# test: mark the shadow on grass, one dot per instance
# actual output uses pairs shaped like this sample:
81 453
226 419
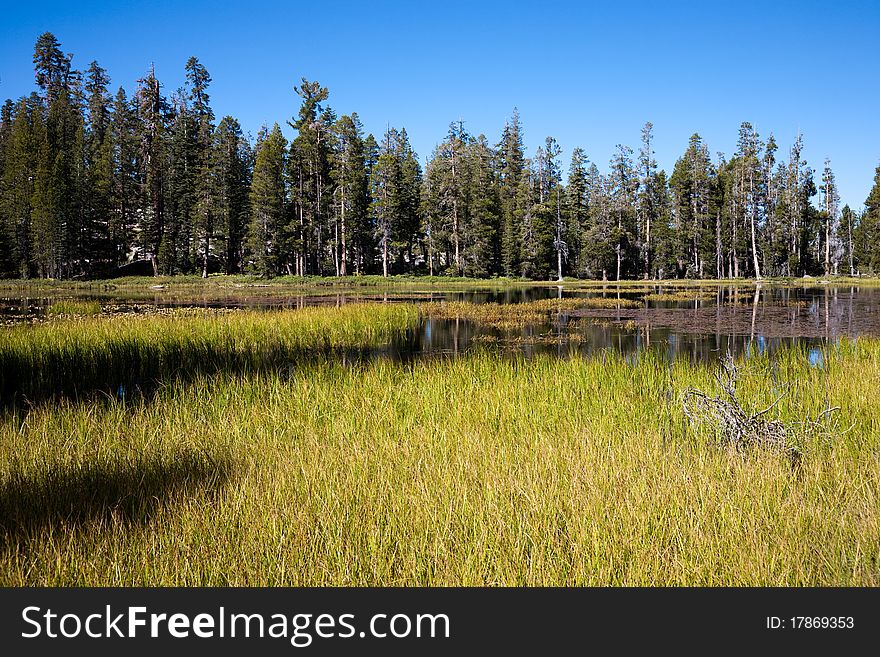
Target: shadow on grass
128 493
126 373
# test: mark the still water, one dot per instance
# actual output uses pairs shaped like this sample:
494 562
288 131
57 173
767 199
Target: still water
696 323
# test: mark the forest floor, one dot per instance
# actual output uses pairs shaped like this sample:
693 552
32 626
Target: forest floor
260 448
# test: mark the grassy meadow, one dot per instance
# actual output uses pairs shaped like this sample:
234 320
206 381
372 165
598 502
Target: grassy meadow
219 284
266 452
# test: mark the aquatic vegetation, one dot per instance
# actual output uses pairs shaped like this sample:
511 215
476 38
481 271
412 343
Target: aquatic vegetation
681 295
503 316
768 321
242 283
74 308
471 471
255 284
115 353
573 303
508 340
513 315
267 452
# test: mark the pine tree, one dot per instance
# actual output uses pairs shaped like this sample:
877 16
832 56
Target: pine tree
664 256
647 196
448 189
6 233
207 184
530 223
482 216
23 153
267 243
598 255
541 253
830 200
797 191
871 226
52 68
552 151
351 195
862 235
126 184
58 245
427 207
624 185
152 122
720 189
774 246
456 141
691 184
849 231
747 189
230 162
184 174
98 201
396 201
310 154
577 210
387 196
367 247
511 165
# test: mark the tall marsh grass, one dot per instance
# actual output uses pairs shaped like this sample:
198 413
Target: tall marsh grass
403 281
513 315
70 357
472 471
74 308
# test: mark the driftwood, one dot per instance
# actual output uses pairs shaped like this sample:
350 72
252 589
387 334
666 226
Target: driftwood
738 427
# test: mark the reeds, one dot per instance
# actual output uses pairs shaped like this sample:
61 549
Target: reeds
117 354
471 471
74 308
513 315
682 296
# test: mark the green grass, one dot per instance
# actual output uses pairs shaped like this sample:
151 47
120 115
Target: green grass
513 315
254 284
681 295
74 308
470 471
37 361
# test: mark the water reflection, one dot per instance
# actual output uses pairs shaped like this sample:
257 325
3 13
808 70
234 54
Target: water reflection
696 323
456 337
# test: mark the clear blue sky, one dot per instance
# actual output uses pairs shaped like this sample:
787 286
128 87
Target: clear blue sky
588 73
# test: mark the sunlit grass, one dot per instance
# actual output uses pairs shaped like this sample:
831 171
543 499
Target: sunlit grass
513 315
74 308
104 353
471 471
681 295
194 283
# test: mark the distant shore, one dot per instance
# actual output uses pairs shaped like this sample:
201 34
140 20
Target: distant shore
403 282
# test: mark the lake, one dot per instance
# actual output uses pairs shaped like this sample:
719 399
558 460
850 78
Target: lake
698 323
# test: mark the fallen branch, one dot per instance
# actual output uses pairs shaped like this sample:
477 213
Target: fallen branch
740 428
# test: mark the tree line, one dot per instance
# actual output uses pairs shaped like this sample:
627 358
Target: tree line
91 182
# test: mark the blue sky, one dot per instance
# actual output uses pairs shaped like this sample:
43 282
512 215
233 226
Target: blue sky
588 73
